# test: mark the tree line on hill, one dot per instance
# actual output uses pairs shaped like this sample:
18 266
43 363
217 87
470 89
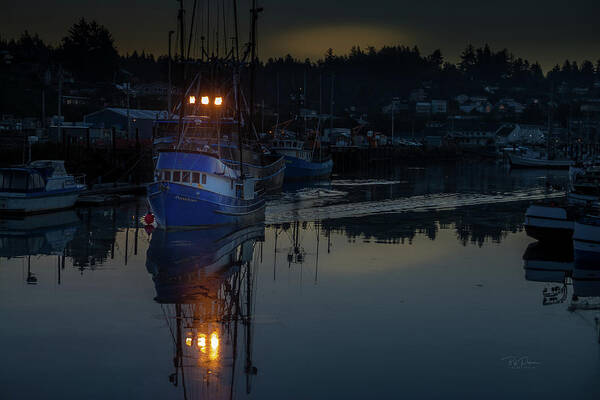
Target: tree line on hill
364 78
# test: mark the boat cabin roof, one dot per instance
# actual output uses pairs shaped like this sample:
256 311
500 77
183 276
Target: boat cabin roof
49 168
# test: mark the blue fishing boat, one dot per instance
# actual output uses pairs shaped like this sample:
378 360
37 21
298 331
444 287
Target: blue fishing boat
195 189
40 186
302 163
199 178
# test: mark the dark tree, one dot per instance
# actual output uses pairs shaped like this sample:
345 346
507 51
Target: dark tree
89 51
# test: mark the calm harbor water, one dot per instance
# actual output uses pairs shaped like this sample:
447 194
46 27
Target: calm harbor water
409 285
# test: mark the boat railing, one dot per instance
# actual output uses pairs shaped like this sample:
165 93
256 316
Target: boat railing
79 179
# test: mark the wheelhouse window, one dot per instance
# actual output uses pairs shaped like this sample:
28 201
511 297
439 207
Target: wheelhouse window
166 175
195 177
185 176
204 179
176 176
36 183
14 181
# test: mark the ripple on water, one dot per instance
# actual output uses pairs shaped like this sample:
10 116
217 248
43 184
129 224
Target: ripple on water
280 212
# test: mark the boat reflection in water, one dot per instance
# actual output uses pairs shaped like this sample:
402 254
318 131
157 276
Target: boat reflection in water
204 283
556 266
36 235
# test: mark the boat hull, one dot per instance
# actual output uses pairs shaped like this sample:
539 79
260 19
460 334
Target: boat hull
40 202
183 207
270 176
298 169
586 242
528 162
548 224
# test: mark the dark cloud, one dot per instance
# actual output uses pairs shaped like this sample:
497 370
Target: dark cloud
546 31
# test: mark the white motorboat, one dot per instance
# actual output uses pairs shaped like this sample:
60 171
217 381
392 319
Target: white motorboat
549 222
41 186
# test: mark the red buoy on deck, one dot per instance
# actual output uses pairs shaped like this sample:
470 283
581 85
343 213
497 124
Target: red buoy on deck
149 218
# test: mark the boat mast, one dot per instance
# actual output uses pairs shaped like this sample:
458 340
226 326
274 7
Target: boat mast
180 19
254 12
236 83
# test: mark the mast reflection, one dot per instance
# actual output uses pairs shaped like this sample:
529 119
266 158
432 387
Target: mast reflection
204 283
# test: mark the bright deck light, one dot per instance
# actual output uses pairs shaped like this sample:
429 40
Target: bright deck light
218 101
205 100
192 99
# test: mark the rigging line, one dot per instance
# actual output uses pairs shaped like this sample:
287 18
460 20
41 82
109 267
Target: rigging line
162 307
224 31
235 23
208 29
192 28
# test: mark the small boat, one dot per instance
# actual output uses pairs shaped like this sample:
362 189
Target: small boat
537 160
302 163
586 240
584 185
40 186
549 222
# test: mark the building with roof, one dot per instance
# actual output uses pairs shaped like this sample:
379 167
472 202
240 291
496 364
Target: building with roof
113 117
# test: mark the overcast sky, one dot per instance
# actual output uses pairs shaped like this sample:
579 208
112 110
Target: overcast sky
546 31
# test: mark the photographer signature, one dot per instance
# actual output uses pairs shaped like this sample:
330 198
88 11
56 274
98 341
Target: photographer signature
515 362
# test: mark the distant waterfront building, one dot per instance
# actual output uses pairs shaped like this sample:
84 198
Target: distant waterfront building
159 89
471 132
418 95
439 106
113 117
423 108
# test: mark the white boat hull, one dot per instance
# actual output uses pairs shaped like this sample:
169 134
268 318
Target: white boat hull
530 162
547 223
22 203
586 242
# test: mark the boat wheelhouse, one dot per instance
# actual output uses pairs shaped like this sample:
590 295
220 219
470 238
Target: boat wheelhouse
219 135
301 162
38 187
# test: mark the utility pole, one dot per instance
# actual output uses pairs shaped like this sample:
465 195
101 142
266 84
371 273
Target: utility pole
394 100
320 93
331 104
128 120
393 112
170 94
59 130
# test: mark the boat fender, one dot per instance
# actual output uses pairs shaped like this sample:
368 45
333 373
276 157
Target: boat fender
149 218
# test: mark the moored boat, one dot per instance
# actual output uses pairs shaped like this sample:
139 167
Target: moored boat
537 161
196 189
584 185
41 186
302 163
586 240
549 222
